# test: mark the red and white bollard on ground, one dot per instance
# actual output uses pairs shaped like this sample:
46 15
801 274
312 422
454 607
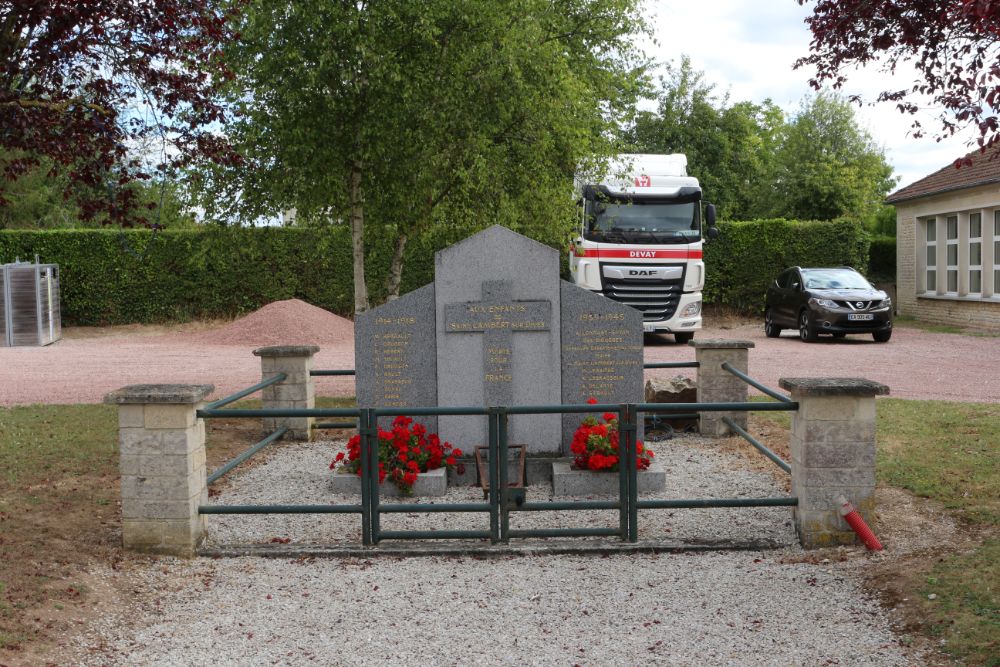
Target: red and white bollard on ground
858 525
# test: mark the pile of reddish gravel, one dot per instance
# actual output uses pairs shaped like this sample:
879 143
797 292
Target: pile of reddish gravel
288 322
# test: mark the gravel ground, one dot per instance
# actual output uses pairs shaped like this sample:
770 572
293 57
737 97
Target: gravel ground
693 608
914 364
300 475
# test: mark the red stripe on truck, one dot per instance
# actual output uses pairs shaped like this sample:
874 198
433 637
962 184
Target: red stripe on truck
640 253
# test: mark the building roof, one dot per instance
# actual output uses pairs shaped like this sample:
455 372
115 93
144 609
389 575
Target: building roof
984 169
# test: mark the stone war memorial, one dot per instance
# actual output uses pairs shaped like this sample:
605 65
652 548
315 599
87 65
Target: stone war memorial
498 327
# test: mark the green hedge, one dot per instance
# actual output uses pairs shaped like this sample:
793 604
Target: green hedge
114 277
747 256
882 259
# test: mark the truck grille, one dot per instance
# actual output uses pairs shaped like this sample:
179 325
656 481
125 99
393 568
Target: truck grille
656 299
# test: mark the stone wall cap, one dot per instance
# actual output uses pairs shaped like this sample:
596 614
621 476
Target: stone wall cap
721 344
834 386
160 393
286 351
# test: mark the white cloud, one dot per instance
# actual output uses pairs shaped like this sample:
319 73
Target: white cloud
749 47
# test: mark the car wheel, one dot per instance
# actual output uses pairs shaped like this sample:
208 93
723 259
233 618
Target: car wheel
882 336
807 332
771 330
685 337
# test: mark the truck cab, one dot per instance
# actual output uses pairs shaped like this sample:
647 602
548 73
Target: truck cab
640 240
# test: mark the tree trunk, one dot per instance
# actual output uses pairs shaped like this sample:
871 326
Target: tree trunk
396 268
357 213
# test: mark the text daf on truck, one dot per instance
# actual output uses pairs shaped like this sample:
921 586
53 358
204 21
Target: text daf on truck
640 241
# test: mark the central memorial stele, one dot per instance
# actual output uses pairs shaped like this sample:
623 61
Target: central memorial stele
497 327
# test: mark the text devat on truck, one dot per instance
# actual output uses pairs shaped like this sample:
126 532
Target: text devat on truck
640 240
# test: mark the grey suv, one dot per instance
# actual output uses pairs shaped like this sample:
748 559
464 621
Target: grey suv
835 301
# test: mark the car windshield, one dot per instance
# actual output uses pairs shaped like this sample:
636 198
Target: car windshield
834 279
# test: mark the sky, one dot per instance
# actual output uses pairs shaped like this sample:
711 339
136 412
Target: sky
748 47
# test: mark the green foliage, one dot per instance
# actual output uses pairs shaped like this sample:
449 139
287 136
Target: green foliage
828 166
425 114
36 200
882 259
747 256
730 147
884 222
115 277
754 163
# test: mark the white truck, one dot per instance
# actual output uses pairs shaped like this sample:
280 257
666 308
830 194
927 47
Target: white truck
640 240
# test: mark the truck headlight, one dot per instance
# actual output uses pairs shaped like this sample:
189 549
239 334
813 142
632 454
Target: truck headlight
691 309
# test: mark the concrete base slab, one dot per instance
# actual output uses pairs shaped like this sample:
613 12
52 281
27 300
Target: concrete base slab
569 482
428 484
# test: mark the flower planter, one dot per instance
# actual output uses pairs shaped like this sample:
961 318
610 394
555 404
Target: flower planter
432 483
569 482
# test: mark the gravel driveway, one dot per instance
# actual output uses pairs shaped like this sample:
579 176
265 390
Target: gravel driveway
743 608
914 364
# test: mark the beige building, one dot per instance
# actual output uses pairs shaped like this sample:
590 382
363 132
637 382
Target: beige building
948 245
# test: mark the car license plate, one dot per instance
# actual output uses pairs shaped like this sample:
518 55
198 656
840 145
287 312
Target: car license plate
854 317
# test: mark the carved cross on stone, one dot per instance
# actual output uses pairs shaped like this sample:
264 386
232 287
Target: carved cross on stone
498 317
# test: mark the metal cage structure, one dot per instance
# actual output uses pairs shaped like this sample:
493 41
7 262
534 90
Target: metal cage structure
29 304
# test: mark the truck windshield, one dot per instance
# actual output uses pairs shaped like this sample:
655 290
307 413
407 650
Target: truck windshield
643 222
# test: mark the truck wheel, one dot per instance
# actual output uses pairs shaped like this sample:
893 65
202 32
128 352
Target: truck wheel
771 330
807 332
685 337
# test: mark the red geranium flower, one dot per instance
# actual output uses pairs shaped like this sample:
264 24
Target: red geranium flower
403 452
595 445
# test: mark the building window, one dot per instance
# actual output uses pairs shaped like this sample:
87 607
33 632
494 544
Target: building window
975 253
996 252
951 253
931 243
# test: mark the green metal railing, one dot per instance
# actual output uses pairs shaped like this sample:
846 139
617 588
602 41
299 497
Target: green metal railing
728 421
253 449
225 469
757 385
232 398
780 462
502 500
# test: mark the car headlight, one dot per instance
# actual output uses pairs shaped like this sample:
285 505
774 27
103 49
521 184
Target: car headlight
825 303
691 309
884 303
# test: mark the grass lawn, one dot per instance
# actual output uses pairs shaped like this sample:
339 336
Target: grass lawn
59 511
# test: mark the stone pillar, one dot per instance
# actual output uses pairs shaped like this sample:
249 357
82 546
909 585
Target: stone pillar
296 391
162 445
717 385
833 454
